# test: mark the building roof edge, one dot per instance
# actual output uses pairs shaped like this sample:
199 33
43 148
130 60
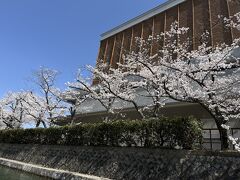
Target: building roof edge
157 10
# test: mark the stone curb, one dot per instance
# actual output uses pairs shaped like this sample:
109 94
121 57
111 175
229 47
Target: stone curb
47 172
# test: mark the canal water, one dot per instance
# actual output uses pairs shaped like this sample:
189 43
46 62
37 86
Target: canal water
12 174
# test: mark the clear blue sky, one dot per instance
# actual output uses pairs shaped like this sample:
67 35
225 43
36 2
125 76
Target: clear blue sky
59 34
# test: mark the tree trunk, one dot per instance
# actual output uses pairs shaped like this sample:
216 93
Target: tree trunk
224 139
219 120
222 131
44 124
156 110
223 135
37 124
138 110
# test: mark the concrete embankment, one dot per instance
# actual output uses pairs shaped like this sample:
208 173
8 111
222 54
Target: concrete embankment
125 163
47 172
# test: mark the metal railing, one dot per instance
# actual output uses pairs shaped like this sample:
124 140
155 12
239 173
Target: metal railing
211 138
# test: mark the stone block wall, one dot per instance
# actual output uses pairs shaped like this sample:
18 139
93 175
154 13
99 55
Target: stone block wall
129 163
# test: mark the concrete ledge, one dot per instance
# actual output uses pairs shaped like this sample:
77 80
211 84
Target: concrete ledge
47 172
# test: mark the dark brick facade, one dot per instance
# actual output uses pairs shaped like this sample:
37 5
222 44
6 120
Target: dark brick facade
198 15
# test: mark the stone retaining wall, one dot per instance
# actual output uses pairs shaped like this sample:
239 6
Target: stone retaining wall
129 163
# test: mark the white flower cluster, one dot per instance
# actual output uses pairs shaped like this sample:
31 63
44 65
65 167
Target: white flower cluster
209 76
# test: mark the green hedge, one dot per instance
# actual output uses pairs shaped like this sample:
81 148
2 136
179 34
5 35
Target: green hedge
162 132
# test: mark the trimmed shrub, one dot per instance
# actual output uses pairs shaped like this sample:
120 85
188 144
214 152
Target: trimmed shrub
156 132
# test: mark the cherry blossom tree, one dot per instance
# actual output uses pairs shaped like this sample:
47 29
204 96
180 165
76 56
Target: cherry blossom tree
25 108
12 114
114 87
35 110
50 100
17 109
208 76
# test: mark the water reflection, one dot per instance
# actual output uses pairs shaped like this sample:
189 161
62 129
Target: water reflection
12 174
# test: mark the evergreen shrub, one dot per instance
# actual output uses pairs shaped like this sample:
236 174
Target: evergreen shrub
155 132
